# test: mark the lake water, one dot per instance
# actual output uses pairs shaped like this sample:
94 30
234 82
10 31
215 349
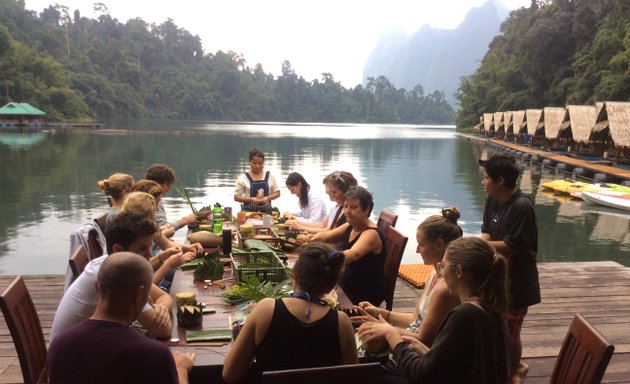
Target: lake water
48 182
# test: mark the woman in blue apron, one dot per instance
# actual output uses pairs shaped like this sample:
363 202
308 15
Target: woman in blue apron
255 188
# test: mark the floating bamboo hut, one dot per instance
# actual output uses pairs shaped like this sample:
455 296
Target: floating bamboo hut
611 133
499 127
514 127
529 125
488 124
549 126
576 128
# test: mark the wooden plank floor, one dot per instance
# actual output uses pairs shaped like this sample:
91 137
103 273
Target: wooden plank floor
599 290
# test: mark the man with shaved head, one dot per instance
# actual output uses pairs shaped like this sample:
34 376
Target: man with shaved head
104 349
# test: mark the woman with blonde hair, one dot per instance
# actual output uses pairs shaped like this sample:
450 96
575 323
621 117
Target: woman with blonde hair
154 189
473 343
434 235
116 187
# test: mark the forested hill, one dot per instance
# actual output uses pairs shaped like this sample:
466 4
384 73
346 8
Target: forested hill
74 67
554 53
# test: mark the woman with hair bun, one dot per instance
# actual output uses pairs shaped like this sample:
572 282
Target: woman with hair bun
473 343
434 234
116 187
300 331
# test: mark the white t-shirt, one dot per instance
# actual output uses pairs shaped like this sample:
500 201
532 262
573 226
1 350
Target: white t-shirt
314 212
79 301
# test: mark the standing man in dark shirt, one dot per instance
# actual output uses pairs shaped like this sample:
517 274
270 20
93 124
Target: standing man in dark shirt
509 225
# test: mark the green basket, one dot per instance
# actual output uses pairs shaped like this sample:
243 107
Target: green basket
266 266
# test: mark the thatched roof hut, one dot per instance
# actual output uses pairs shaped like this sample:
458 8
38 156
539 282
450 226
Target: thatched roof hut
549 125
487 122
578 122
531 120
517 121
507 122
613 124
498 122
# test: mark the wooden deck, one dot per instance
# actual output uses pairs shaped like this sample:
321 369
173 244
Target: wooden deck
599 290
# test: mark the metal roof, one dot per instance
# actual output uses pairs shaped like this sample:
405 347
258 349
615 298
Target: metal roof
20 109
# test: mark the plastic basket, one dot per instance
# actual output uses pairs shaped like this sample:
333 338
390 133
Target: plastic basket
268 268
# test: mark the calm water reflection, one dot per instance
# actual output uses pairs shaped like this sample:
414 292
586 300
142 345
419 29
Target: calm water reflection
48 181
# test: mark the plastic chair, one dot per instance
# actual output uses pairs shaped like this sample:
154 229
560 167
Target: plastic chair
26 331
359 373
584 355
386 219
395 243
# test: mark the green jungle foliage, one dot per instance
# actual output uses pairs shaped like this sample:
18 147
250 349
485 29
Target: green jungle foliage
554 53
76 68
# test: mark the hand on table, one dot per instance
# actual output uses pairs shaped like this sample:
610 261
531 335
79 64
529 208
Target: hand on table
184 361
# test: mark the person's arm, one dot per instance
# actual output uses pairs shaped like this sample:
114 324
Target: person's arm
171 262
346 340
241 194
183 364
369 241
240 357
331 235
399 319
157 319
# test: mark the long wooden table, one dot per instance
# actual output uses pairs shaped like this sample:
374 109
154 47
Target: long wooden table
210 356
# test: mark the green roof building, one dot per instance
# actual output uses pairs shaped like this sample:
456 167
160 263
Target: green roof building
15 115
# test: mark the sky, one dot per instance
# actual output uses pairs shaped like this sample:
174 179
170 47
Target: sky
333 36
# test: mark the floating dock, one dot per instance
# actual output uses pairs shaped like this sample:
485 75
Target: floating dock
564 164
598 290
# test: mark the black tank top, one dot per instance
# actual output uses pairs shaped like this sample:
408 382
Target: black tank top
291 343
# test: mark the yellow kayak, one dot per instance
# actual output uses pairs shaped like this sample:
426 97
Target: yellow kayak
574 188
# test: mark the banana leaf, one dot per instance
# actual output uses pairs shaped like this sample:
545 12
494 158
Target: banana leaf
209 335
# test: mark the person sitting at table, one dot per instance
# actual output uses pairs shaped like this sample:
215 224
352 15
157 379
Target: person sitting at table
144 205
127 233
364 246
336 184
300 331
255 189
103 348
165 177
312 208
116 187
154 189
473 343
434 234
173 254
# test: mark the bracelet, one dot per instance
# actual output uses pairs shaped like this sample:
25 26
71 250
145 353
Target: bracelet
388 313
